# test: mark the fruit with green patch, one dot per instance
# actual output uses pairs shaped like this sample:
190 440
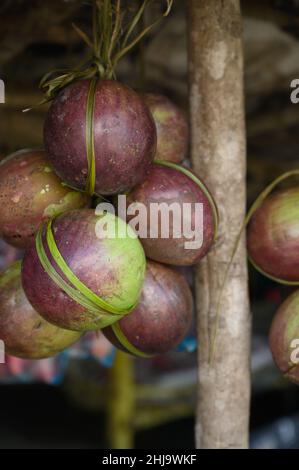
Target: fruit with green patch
284 337
273 236
24 332
31 193
85 271
172 128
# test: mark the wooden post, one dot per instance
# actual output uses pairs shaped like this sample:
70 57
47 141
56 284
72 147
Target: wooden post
121 403
218 156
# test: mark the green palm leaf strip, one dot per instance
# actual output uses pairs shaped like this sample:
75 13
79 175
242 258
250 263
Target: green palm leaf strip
59 281
80 293
89 132
126 343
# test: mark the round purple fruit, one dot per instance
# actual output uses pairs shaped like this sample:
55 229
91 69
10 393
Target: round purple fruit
273 236
85 271
100 136
161 319
177 217
24 332
31 193
172 128
284 337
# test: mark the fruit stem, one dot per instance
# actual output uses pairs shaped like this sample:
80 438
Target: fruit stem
114 35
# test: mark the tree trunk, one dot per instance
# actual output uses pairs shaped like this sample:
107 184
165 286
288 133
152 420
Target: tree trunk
219 157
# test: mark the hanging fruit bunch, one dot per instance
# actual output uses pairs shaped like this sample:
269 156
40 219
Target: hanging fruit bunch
273 243
86 269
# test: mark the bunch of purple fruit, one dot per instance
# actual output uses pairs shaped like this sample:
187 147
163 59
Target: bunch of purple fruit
273 245
101 139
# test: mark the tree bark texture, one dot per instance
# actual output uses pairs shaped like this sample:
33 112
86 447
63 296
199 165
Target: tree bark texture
219 158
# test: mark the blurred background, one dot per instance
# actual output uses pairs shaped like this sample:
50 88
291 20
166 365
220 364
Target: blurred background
90 397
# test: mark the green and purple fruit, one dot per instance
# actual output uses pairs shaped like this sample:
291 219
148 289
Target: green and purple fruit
161 319
104 256
273 236
31 193
172 128
284 337
24 332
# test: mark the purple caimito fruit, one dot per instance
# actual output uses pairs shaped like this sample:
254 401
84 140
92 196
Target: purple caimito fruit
172 128
161 319
284 337
102 123
273 236
85 271
30 194
178 215
24 332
